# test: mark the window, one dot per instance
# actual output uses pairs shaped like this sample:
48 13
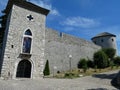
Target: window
60 34
27 40
102 40
112 39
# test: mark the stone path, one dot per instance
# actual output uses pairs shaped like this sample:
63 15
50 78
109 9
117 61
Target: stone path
95 82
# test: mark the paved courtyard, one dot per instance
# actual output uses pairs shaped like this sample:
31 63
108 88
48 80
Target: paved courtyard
95 82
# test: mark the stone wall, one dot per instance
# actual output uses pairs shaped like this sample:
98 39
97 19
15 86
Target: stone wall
59 46
18 23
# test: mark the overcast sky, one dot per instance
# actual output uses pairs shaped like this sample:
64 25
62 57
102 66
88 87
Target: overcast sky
81 18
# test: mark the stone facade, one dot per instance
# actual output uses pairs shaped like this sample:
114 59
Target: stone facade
58 47
12 54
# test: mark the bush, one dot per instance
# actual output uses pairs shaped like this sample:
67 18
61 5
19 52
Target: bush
82 63
117 60
100 59
90 64
111 64
110 52
46 69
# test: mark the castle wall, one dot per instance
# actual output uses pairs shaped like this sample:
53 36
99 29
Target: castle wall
18 23
59 47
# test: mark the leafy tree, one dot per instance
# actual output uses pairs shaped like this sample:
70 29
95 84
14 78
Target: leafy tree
117 60
46 69
90 64
82 63
110 52
100 59
111 64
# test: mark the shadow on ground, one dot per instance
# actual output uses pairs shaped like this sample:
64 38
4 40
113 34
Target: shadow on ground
98 89
112 77
104 76
116 81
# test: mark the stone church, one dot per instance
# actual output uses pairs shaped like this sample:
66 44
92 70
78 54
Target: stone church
27 43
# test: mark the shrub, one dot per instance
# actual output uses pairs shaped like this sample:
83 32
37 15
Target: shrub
111 64
117 60
90 64
110 52
46 69
100 59
85 68
95 67
82 63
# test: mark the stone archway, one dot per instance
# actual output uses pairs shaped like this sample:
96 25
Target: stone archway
24 69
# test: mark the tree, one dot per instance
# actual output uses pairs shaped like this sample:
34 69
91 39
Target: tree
90 64
46 69
110 52
117 60
100 59
82 63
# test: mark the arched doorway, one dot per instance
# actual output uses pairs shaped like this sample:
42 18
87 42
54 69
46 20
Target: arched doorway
24 69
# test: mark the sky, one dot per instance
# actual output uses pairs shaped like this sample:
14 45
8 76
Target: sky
81 18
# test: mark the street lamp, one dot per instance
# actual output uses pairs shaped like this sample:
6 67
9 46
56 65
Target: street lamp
70 57
54 68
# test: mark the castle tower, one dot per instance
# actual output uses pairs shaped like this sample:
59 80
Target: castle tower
105 40
24 40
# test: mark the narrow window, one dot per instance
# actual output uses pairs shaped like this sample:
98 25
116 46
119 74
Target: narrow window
112 39
102 40
12 46
60 34
27 40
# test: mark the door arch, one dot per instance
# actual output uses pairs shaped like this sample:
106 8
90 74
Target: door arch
24 69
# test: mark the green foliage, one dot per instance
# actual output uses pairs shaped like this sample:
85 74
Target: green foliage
117 60
110 52
95 68
111 64
85 68
82 63
70 75
46 69
90 64
100 59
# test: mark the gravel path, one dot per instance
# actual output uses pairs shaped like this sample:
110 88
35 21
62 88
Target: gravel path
95 82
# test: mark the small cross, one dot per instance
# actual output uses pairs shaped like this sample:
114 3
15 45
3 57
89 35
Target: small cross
30 17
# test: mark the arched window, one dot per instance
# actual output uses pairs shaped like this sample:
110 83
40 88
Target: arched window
27 40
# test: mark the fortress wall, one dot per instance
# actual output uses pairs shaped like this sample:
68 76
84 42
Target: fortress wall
58 48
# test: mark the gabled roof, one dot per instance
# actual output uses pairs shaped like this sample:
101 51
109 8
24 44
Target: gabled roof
26 5
104 34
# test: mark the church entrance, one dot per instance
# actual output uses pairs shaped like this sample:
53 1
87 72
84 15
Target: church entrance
24 69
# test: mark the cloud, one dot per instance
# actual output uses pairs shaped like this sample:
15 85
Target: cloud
80 22
46 4
55 12
85 4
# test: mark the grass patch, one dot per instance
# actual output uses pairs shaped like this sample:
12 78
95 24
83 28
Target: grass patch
80 72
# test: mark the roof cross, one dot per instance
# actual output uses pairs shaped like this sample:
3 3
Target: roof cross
30 17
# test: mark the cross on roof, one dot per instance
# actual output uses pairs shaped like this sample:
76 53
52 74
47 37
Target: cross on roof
30 17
